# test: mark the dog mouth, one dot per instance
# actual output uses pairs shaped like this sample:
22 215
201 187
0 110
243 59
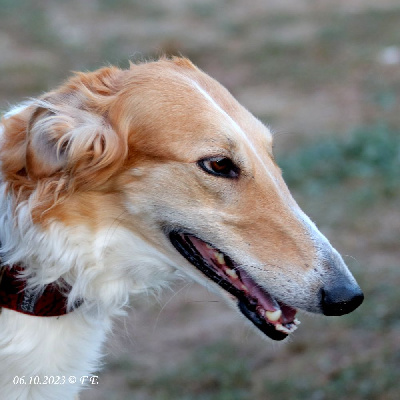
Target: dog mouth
271 316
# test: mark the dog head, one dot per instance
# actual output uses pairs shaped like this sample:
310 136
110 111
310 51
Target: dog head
164 171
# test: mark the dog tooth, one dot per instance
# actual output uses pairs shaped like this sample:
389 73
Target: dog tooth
281 328
296 321
273 315
244 287
220 258
232 273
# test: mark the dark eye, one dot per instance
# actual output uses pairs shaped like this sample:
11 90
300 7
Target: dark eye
219 166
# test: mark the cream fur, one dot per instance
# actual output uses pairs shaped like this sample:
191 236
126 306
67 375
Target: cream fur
100 269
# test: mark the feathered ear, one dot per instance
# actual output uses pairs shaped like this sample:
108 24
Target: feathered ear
45 152
68 134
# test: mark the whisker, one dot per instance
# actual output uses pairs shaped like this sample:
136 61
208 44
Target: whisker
167 302
349 256
110 231
203 301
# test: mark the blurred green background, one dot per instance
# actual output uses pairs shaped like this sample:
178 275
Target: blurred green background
325 76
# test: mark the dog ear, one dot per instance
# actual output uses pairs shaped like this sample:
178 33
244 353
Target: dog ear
71 141
68 134
45 152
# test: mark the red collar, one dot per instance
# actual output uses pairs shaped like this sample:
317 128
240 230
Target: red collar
50 302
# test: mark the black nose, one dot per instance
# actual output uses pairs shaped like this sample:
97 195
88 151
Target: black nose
340 299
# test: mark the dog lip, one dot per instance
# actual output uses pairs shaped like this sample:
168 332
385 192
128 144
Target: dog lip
260 323
187 250
253 302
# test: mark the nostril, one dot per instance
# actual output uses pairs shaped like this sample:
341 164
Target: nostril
340 300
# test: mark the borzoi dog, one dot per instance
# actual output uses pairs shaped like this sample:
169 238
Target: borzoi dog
120 181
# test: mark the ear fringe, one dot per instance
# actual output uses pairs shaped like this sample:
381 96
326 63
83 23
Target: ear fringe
76 142
62 140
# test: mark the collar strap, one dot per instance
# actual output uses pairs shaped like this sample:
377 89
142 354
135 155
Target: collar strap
14 295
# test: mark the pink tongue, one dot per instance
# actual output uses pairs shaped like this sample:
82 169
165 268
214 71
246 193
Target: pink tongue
264 299
288 314
206 253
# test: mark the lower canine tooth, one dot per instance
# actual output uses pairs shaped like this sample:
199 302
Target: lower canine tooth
296 321
273 315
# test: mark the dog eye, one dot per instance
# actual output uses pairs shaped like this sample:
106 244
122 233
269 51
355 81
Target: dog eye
219 166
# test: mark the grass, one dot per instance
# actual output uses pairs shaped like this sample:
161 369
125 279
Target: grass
368 160
212 373
348 181
372 26
373 379
28 22
341 48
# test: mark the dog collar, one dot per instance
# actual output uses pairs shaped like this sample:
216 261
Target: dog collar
14 295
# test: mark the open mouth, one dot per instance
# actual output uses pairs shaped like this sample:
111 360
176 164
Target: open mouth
274 318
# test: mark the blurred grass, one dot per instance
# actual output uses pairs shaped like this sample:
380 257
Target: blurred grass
28 21
212 373
375 378
341 42
348 181
368 160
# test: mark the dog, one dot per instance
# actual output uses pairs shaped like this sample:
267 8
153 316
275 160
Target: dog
121 181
